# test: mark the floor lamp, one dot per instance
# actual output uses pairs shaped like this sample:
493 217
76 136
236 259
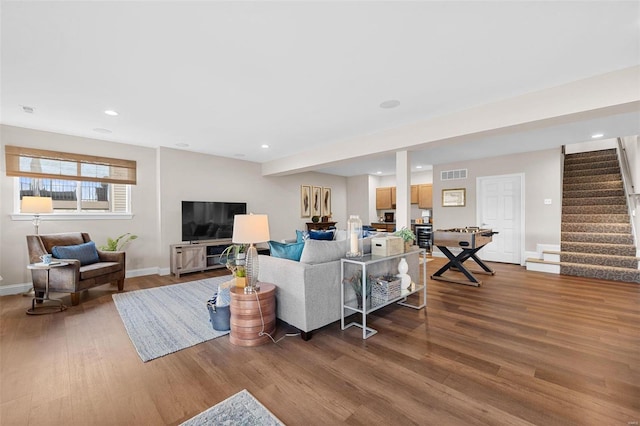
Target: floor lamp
251 229
37 206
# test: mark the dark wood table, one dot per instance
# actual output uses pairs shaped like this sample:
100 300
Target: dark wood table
319 226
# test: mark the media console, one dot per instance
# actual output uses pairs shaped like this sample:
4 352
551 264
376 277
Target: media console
197 257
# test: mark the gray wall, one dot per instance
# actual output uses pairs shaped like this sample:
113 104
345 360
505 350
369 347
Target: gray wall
165 178
542 175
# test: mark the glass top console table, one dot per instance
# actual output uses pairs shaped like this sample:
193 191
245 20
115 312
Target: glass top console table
379 292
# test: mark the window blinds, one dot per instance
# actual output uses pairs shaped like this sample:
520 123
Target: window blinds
38 163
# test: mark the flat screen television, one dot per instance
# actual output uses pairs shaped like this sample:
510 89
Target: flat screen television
209 220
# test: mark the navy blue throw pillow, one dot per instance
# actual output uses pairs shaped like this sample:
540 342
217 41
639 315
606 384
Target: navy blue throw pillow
321 235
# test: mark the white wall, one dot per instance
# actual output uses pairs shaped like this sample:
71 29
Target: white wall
165 178
542 175
358 199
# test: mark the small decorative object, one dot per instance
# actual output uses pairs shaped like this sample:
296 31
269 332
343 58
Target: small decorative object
315 219
354 236
403 268
407 236
241 276
119 243
453 197
356 283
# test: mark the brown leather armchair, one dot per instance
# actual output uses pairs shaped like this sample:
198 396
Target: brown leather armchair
74 278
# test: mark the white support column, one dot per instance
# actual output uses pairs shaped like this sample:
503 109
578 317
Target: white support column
403 190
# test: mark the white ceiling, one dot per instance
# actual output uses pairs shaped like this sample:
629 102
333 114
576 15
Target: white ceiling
226 77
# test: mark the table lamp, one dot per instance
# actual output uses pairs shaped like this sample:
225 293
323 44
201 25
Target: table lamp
36 205
251 229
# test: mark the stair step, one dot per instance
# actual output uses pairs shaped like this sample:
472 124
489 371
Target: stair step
611 177
597 209
595 218
593 193
599 248
600 163
601 272
592 172
598 185
609 201
630 262
611 228
588 154
596 238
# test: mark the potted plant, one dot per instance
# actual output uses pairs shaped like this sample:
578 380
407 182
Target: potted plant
234 259
118 243
407 235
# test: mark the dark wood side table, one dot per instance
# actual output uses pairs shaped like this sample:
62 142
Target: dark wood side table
253 315
319 226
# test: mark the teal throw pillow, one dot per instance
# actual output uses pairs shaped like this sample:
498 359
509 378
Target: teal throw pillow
86 253
301 236
291 251
321 235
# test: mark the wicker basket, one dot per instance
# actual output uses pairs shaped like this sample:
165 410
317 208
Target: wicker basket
383 290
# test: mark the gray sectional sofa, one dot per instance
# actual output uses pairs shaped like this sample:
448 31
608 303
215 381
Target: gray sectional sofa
308 291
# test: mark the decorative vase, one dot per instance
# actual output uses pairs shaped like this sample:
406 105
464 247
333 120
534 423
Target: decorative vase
354 236
403 268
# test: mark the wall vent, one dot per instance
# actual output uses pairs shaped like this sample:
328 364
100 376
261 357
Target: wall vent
453 174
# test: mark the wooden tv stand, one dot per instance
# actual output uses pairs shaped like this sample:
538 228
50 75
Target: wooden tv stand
197 256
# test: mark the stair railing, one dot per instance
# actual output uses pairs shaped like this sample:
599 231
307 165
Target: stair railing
629 188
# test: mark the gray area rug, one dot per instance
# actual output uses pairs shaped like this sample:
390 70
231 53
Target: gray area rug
163 320
239 409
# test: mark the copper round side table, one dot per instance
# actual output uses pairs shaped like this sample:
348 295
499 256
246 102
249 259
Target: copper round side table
253 315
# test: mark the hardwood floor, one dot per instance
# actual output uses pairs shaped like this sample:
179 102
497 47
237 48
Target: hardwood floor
524 348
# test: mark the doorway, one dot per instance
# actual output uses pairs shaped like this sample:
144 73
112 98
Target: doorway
500 207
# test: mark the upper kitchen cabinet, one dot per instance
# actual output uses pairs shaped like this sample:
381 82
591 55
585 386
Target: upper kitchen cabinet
425 196
414 194
385 198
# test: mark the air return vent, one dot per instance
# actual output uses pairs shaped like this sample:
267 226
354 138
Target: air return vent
453 174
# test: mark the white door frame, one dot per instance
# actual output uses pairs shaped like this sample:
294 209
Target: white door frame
521 176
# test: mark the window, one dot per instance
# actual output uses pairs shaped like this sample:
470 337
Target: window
69 196
75 182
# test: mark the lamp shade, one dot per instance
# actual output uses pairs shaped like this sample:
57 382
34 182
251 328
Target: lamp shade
250 228
36 205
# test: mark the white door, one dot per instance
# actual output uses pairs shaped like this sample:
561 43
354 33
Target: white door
500 208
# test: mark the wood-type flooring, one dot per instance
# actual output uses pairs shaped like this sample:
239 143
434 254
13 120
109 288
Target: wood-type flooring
524 348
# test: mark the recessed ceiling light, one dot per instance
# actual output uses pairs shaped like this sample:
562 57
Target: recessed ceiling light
111 112
597 135
182 144
264 145
391 103
101 130
418 167
27 109
378 172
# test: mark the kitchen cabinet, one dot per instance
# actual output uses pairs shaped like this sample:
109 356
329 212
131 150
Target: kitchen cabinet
414 194
385 198
425 196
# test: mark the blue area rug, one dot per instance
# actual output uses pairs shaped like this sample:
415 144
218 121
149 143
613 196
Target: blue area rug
163 320
239 409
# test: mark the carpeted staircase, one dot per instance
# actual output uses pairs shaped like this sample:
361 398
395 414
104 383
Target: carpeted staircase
596 231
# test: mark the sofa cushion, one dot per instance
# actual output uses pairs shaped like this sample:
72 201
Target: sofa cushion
318 251
321 235
291 251
86 253
98 269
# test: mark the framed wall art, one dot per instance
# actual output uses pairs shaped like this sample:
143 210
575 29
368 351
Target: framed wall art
326 202
453 197
305 201
316 201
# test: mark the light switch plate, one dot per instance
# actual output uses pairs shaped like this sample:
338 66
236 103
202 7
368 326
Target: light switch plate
547 200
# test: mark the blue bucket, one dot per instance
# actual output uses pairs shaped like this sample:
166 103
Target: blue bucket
220 316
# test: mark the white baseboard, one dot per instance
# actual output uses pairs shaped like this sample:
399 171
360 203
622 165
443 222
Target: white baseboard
7 290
